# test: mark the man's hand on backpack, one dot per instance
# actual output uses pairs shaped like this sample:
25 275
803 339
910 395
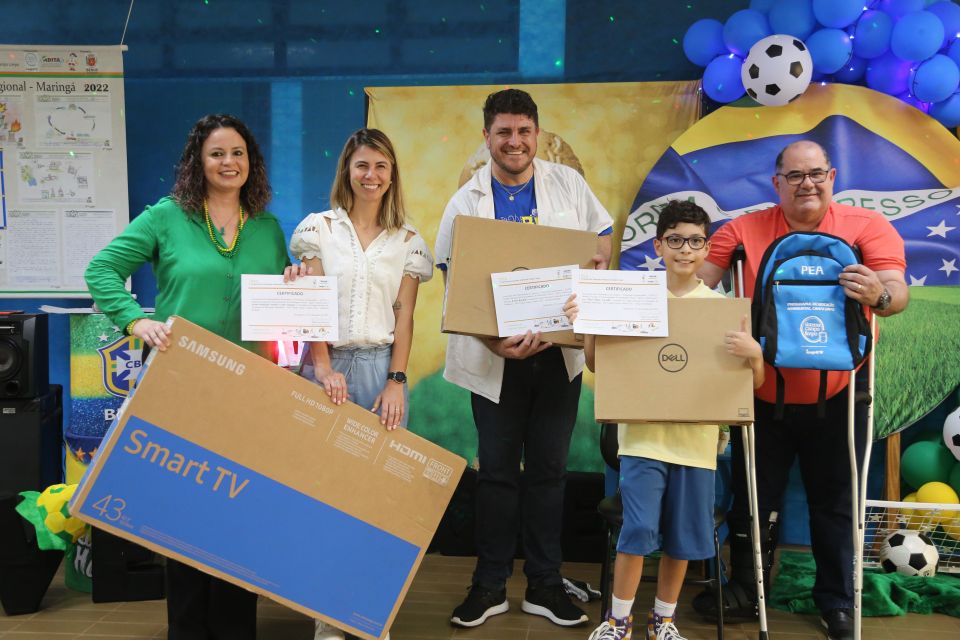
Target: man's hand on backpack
861 284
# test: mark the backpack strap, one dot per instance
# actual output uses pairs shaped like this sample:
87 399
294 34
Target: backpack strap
822 396
778 410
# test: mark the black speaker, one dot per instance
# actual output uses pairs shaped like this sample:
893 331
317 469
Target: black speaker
31 431
23 355
584 538
124 571
25 570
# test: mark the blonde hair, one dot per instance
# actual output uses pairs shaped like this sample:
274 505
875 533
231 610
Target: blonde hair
391 215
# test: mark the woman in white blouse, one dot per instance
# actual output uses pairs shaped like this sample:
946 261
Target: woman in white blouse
379 261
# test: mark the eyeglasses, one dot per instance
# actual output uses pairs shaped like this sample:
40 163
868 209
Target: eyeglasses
795 178
676 242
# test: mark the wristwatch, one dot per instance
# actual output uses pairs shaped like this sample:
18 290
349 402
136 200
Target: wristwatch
883 301
397 376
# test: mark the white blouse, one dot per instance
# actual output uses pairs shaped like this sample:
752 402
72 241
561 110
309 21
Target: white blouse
368 282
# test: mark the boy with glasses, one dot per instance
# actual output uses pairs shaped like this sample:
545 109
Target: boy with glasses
667 470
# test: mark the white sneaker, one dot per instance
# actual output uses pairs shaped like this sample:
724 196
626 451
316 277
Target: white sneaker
324 631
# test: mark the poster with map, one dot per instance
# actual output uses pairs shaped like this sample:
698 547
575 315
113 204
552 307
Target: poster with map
63 173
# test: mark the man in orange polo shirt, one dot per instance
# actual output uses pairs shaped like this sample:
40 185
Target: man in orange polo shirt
804 182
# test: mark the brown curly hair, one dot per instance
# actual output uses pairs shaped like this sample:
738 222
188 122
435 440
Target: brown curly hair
190 188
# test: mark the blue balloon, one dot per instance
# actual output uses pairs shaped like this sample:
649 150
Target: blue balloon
704 41
954 51
947 112
871 38
917 36
852 71
936 79
792 17
949 15
830 49
837 13
743 29
888 74
896 9
721 79
762 6
912 100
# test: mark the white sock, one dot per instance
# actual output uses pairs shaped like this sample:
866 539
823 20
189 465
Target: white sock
621 608
664 609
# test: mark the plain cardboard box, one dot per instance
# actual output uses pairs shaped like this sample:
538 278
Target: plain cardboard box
228 463
686 377
482 246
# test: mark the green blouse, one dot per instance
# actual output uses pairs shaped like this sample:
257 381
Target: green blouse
194 280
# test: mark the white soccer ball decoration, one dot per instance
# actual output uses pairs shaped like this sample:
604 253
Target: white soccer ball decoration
910 553
951 433
777 70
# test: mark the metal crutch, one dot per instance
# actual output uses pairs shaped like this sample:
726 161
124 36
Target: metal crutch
749 458
858 485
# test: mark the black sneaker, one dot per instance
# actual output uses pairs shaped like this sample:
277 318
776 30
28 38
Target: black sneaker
838 623
553 603
739 604
479 605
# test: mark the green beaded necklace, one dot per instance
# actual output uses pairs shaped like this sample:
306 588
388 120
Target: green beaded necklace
226 252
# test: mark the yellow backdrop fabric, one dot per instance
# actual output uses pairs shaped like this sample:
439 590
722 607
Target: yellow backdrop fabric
617 131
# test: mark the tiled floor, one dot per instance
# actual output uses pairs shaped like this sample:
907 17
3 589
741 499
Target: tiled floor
438 587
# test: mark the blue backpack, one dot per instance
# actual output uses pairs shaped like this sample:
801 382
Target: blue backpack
801 316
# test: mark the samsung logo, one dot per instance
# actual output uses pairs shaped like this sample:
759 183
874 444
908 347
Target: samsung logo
211 355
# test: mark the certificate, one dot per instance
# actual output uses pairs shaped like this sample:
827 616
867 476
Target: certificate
304 309
532 300
621 303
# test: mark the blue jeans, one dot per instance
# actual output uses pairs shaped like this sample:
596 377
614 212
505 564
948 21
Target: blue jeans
365 369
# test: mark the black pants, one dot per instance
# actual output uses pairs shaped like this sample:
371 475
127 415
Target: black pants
534 422
202 607
821 446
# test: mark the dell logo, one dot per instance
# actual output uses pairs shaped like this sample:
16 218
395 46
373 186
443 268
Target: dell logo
672 358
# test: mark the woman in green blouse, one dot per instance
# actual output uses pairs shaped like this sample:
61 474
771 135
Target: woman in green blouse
211 229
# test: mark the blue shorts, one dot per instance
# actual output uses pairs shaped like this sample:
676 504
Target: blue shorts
666 506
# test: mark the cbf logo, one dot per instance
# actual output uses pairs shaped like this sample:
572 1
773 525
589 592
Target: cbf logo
813 330
122 360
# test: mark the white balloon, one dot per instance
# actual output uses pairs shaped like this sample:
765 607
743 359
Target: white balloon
951 433
777 70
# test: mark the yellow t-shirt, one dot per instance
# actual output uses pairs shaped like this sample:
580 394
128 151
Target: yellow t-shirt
692 445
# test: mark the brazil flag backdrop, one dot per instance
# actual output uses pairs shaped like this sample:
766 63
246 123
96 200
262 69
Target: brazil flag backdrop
890 158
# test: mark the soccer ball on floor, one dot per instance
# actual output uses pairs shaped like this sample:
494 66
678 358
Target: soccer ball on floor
777 70
910 553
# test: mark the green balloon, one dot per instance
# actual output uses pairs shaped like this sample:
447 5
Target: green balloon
925 462
954 480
